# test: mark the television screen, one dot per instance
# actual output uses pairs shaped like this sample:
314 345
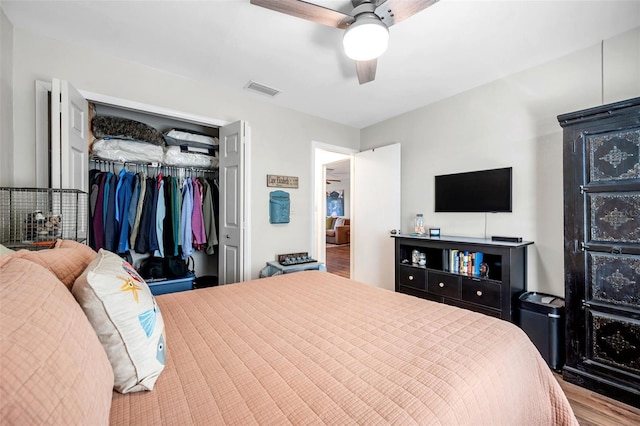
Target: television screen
479 191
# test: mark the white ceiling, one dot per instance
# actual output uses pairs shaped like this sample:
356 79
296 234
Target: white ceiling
448 48
339 170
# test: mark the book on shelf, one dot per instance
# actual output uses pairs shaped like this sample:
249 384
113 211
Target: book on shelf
462 262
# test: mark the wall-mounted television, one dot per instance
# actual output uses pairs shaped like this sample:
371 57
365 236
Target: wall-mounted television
479 191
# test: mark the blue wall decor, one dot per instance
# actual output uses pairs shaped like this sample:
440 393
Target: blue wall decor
279 206
335 203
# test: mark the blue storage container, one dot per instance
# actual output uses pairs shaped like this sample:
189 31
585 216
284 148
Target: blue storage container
171 286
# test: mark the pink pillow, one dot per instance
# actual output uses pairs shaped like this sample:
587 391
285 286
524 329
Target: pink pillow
54 369
66 259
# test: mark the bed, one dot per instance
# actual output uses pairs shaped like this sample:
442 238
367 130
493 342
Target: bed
315 348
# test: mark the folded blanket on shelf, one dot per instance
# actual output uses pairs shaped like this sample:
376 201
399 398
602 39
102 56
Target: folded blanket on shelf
127 151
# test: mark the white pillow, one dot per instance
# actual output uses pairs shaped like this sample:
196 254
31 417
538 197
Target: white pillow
339 222
181 137
126 318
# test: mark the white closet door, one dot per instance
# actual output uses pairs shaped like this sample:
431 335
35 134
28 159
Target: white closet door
376 212
69 130
232 215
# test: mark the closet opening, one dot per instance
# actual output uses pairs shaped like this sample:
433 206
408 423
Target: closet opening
67 146
178 162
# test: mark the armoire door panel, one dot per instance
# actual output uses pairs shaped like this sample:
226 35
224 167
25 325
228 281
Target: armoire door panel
614 155
614 217
614 279
615 341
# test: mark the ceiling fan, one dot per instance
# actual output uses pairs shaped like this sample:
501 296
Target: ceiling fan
366 28
328 181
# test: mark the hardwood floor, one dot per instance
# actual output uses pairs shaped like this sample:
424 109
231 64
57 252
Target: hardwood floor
338 260
593 409
590 408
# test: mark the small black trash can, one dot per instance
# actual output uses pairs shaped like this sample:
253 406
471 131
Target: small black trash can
542 318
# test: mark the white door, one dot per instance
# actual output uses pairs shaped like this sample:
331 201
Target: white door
232 206
376 212
69 141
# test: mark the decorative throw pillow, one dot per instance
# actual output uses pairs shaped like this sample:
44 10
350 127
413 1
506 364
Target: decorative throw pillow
126 319
330 222
339 221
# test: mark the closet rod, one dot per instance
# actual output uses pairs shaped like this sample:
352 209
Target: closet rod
154 165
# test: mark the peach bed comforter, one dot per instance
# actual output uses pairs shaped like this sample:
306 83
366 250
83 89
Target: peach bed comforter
314 348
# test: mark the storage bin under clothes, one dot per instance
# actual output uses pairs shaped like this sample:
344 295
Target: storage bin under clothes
164 286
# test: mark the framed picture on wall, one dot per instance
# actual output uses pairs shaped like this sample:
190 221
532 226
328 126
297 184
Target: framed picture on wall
335 202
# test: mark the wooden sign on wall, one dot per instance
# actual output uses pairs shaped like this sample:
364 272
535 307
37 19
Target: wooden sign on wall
278 181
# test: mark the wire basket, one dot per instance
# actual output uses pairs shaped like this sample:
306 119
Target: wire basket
33 218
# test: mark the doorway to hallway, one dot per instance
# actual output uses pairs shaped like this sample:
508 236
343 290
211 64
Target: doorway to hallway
332 175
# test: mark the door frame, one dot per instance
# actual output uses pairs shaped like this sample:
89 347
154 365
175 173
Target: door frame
318 199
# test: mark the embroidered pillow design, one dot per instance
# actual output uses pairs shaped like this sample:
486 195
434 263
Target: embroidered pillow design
126 318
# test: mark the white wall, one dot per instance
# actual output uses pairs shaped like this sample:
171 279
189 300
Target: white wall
281 138
6 100
510 122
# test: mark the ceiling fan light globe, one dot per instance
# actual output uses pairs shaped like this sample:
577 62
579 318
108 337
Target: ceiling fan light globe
366 39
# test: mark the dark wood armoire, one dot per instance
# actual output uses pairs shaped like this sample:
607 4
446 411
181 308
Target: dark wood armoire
601 152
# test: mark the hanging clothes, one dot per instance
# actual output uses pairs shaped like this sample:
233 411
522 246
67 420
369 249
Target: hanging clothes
209 218
124 192
93 199
110 223
197 221
146 218
185 219
160 213
215 197
151 229
176 205
133 206
142 180
107 187
167 235
97 223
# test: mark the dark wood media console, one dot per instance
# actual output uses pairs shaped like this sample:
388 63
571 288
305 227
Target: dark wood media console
494 294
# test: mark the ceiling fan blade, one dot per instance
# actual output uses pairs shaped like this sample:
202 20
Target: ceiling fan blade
309 11
366 70
393 11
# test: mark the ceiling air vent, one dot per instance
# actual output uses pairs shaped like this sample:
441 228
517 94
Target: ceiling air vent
261 88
